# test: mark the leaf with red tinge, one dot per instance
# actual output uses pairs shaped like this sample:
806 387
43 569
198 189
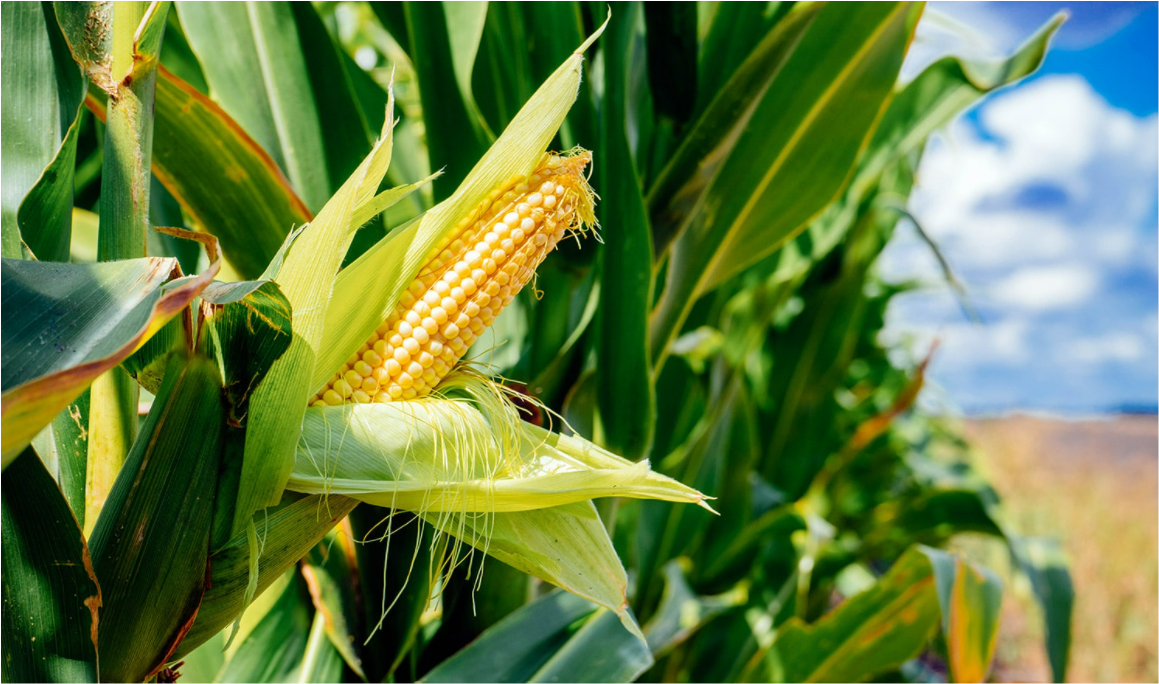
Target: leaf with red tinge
65 324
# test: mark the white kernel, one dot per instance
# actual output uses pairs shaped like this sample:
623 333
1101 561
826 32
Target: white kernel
426 359
423 309
549 201
442 288
458 295
510 219
547 188
535 199
451 332
401 355
491 238
518 235
499 255
393 367
405 329
540 239
489 266
472 257
413 318
450 306
462 268
430 324
478 275
468 286
421 335
411 345
508 245
436 347
523 208
415 369
405 380
451 278
431 298
439 315
396 340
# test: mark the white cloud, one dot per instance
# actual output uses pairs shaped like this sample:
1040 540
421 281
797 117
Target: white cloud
1045 206
1115 346
1041 288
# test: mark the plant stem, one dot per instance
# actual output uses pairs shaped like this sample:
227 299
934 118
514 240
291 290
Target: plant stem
124 220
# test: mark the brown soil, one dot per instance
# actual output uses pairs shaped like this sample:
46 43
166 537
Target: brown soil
1095 486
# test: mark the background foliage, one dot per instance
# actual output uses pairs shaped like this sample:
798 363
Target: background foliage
752 159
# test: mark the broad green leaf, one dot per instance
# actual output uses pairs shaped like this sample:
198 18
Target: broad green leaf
306 279
164 496
558 638
322 661
195 145
627 400
68 440
51 596
713 136
253 61
41 84
111 309
892 621
455 131
367 291
519 645
285 535
793 156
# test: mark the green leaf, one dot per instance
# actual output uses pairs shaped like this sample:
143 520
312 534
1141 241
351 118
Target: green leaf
567 546
455 135
51 596
253 61
273 651
1044 562
794 155
330 574
682 613
65 324
151 543
627 400
41 84
306 280
195 145
286 534
891 622
679 186
559 637
246 327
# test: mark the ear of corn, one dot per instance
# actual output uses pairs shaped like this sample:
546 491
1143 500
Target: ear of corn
469 277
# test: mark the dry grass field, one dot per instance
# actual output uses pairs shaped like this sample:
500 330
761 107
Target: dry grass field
1095 486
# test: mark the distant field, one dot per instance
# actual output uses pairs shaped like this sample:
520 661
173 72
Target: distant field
1095 486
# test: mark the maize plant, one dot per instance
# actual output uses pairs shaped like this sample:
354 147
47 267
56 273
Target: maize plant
372 341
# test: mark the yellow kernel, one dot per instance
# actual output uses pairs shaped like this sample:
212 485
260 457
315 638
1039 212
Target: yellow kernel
372 358
405 380
353 377
426 359
370 386
343 388
363 368
361 397
401 355
451 332
439 315
409 393
393 367
332 398
394 391
430 324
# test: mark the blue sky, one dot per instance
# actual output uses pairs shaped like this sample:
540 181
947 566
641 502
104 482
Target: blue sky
1044 199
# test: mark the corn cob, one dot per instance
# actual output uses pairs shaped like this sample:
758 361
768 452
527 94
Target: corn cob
467 280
